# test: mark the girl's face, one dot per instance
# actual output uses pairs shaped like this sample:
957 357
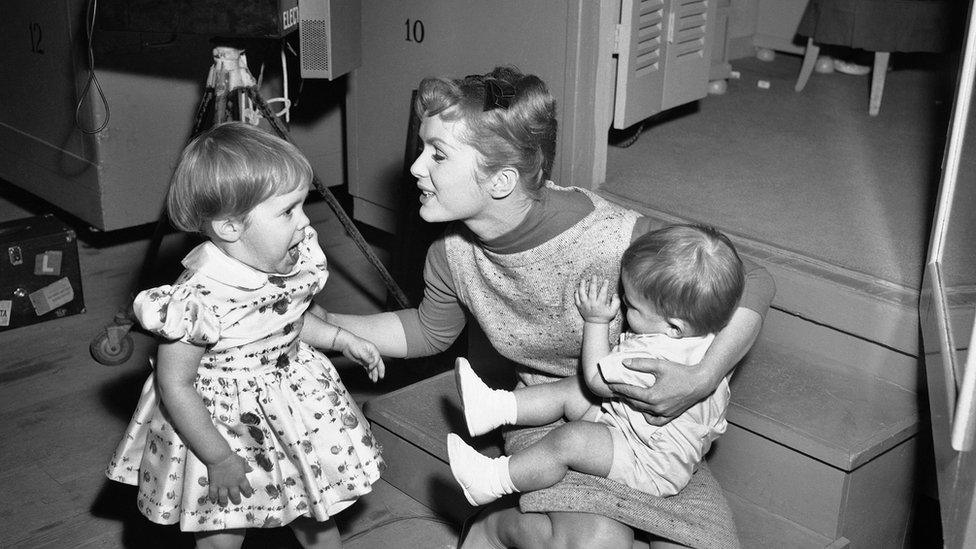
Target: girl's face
447 175
642 316
272 231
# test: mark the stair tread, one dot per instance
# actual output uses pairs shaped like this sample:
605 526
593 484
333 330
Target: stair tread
819 406
811 404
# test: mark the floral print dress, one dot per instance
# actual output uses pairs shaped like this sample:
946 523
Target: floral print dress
278 402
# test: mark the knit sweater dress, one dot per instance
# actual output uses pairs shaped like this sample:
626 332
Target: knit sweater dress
524 303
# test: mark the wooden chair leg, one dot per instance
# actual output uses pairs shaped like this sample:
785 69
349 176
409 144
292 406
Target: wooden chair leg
809 61
878 74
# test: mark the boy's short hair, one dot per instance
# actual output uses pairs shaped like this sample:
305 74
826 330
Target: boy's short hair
688 272
229 169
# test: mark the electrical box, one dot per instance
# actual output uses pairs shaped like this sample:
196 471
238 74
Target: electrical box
40 278
249 18
330 36
147 86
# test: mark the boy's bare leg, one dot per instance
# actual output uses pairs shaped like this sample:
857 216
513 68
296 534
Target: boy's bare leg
579 445
486 409
547 402
582 446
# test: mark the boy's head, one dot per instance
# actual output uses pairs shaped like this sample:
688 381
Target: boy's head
228 170
688 275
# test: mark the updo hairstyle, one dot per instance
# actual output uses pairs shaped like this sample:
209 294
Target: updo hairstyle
508 117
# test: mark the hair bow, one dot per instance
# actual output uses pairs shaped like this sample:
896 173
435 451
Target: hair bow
498 94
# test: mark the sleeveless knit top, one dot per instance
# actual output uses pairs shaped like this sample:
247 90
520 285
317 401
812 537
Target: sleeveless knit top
524 301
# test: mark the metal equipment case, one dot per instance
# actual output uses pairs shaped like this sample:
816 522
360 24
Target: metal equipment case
40 278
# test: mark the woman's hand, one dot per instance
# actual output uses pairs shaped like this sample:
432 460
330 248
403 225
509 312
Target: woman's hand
227 480
595 301
363 352
677 387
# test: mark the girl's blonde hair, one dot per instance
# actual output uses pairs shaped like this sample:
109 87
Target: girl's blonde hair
508 117
228 170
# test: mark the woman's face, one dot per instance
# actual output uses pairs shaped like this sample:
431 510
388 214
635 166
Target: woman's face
447 175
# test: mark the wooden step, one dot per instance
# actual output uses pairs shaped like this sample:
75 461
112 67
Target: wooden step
846 300
812 442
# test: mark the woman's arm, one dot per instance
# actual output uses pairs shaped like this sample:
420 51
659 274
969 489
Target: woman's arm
678 387
324 335
429 329
383 329
175 375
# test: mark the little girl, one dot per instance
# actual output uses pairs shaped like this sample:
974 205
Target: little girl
681 285
243 423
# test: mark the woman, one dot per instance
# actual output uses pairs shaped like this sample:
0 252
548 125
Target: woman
515 249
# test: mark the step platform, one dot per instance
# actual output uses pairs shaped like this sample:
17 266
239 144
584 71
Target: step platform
816 455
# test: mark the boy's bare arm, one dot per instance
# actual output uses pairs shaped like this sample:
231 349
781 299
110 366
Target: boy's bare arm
596 345
598 306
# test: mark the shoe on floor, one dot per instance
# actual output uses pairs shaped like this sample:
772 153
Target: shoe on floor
847 67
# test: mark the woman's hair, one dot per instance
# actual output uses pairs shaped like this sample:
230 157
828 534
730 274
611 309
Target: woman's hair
228 170
508 117
688 272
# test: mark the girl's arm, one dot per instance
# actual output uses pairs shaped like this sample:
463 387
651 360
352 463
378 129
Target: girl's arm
324 335
176 372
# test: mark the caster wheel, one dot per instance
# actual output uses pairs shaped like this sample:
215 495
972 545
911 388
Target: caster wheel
108 354
765 54
629 136
824 65
718 87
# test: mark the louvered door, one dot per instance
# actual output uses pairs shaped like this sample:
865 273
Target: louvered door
640 61
663 56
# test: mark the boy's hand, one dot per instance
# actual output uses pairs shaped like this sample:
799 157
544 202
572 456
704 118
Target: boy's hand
362 352
227 480
595 301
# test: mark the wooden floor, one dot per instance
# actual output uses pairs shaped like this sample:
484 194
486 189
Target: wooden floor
63 412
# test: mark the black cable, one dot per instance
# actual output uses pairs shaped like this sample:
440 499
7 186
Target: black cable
92 78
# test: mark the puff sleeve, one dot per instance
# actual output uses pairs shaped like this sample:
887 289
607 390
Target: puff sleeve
177 312
312 251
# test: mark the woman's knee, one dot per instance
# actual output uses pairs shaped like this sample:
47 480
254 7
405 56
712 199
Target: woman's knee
586 530
223 539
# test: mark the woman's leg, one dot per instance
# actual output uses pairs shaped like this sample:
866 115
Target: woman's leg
220 539
504 526
311 533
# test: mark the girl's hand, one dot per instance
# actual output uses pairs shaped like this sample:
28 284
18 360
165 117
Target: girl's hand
228 480
595 301
362 352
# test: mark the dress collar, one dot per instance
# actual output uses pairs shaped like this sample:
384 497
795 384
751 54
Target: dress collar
210 261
